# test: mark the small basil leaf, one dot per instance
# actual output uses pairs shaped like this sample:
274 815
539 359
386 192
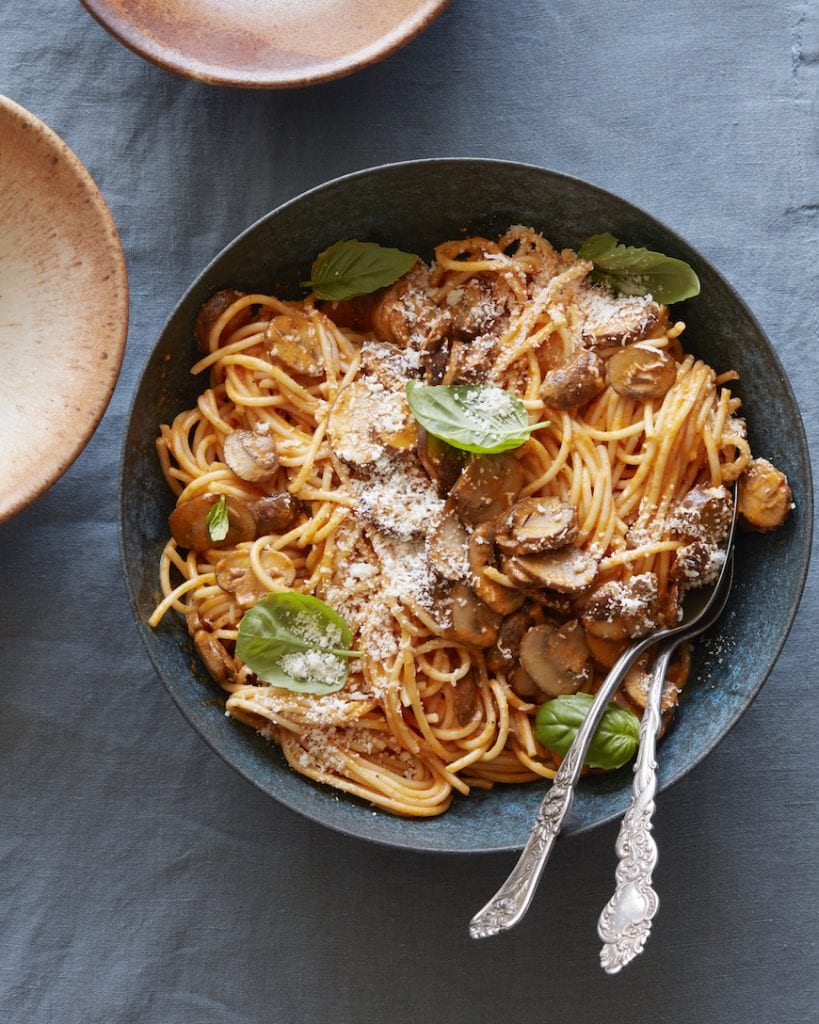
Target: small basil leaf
297 642
629 270
217 522
471 417
614 743
351 268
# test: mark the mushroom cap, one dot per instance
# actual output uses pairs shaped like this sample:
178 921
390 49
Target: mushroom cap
214 656
189 527
636 685
210 312
474 624
577 381
641 373
568 570
366 420
557 658
235 575
502 599
617 320
405 314
534 525
765 496
487 487
703 514
623 608
276 513
295 343
447 545
251 456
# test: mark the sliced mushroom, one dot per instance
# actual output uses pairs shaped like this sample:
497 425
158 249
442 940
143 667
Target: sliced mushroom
406 315
473 623
295 343
567 570
443 463
523 684
580 379
470 362
349 426
189 527
636 686
384 362
504 653
501 599
487 487
703 514
434 360
641 373
447 545
216 659
251 456
235 575
479 306
610 320
557 659
696 564
765 497
465 699
210 312
620 609
534 525
276 513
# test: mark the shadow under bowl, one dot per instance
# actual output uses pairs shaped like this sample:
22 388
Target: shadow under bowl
415 206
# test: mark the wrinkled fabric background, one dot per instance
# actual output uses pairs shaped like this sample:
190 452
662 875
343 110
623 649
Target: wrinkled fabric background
141 880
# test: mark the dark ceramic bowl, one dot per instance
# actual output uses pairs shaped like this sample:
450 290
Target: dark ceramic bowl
414 206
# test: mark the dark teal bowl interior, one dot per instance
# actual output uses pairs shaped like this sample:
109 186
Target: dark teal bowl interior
414 206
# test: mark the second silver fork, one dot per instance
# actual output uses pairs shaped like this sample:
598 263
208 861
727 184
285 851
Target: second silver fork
625 922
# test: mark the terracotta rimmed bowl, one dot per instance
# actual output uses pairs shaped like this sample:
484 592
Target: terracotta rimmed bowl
63 306
262 45
414 206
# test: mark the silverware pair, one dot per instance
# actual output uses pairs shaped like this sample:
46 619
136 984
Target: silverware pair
625 922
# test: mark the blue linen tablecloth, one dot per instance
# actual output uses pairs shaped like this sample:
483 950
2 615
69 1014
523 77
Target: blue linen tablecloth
143 881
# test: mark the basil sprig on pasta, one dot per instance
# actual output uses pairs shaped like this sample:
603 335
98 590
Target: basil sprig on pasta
472 417
297 642
349 269
217 521
614 742
629 270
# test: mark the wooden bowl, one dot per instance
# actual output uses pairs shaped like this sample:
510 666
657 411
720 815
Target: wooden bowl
63 307
264 45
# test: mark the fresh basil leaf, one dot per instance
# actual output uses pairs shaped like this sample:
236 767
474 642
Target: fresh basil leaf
296 641
614 743
472 417
629 270
351 268
217 522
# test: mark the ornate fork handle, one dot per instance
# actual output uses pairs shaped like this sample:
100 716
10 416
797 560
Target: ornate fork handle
625 922
512 900
514 897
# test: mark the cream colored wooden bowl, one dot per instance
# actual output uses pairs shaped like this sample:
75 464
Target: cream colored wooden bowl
63 307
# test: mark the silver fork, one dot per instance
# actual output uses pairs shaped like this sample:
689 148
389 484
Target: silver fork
625 922
510 903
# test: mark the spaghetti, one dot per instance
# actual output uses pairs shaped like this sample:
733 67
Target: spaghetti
315 393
